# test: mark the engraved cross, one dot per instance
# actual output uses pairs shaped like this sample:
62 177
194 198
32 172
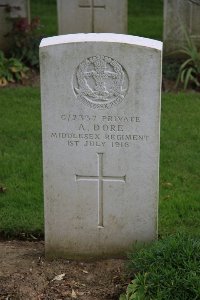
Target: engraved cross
100 179
90 4
100 74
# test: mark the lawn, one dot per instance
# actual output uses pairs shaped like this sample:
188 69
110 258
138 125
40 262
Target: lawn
47 11
180 164
145 18
21 204
21 198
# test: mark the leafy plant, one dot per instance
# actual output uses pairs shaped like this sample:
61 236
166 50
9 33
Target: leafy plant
168 269
25 40
189 71
136 289
11 70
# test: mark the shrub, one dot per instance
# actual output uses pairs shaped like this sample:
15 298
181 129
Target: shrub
25 39
167 269
189 71
11 70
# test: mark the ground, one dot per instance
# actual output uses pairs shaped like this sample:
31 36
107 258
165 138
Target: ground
26 274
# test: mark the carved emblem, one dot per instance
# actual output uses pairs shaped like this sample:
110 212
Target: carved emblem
100 82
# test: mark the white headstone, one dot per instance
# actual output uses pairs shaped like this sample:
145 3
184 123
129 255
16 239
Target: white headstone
92 16
180 16
11 9
100 116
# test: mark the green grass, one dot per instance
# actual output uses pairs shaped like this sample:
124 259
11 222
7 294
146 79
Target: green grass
21 206
145 18
47 11
180 164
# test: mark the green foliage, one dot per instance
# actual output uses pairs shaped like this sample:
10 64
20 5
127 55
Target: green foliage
11 70
189 71
167 269
136 290
25 40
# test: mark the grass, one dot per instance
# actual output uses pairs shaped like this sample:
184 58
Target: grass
180 164
47 11
145 18
21 206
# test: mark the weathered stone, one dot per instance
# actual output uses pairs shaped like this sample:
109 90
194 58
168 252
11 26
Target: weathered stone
92 16
180 16
100 115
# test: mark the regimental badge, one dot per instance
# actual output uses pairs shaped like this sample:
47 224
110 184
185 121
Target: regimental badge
100 82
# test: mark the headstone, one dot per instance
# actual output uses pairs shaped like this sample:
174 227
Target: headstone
100 116
11 9
180 16
92 16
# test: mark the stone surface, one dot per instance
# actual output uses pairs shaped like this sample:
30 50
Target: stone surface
180 14
100 115
11 9
92 16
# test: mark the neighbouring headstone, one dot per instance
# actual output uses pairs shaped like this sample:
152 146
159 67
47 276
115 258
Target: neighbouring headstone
92 16
180 16
9 10
100 115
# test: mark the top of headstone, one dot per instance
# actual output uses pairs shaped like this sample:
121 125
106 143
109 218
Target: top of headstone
101 37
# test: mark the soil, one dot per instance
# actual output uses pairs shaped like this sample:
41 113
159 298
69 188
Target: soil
25 274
